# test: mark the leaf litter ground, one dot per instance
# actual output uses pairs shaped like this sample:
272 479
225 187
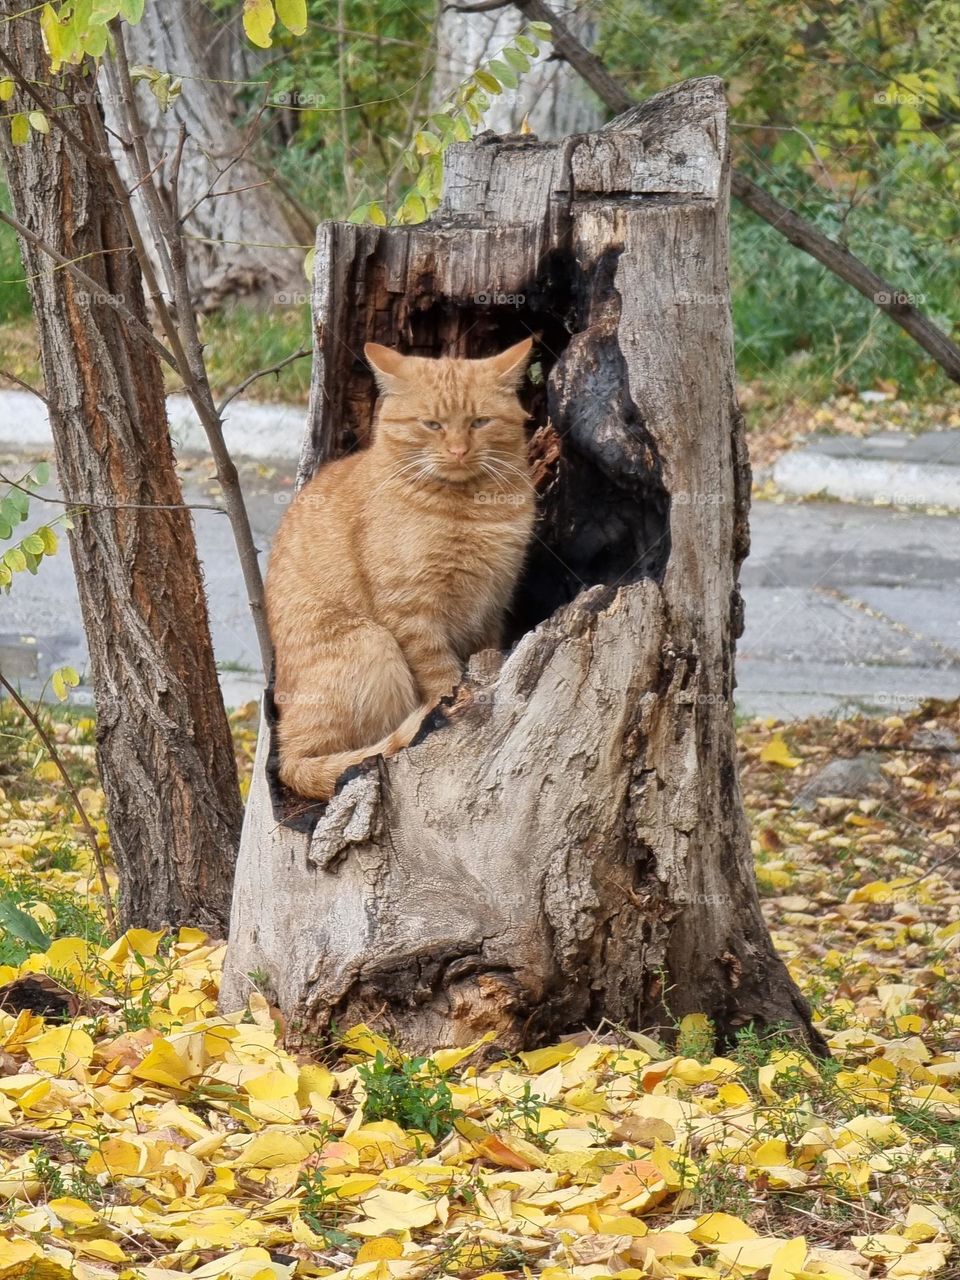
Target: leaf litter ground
143 1135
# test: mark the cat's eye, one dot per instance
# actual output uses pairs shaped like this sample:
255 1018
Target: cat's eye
430 424
480 422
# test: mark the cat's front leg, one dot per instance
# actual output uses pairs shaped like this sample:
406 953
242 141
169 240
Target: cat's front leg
428 652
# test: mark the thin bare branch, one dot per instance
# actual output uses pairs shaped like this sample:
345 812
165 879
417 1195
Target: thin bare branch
96 286
260 373
12 377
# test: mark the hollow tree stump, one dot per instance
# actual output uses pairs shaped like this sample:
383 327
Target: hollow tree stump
565 841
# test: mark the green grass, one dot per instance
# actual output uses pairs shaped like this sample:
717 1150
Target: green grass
14 297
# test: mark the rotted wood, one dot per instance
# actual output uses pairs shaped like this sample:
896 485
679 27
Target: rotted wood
565 840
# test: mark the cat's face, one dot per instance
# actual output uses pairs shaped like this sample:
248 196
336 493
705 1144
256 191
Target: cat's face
450 420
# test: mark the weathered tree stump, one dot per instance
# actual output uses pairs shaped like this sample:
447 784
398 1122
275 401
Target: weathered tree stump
565 841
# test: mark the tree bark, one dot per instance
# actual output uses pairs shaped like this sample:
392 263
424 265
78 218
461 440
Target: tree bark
565 841
550 95
163 743
242 245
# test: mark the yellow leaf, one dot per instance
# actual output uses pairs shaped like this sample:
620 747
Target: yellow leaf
293 15
378 1249
721 1228
314 1079
258 20
74 1213
164 1066
395 1211
777 752
102 1249
360 1039
788 1259
61 1049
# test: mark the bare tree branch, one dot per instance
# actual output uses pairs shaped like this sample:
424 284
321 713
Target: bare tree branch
261 373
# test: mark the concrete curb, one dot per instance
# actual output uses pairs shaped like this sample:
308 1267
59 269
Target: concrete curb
926 473
258 431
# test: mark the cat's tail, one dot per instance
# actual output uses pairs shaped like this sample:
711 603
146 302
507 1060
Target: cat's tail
315 777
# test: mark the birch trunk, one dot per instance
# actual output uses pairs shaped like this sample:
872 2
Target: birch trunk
164 750
240 246
565 841
551 95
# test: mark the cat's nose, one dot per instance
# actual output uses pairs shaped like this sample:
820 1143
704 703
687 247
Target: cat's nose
458 451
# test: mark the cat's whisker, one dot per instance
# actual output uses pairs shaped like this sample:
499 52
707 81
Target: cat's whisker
510 465
511 471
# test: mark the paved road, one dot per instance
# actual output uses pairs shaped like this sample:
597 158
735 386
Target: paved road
847 607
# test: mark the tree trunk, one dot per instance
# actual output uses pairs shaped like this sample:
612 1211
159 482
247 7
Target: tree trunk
565 841
551 94
163 744
239 246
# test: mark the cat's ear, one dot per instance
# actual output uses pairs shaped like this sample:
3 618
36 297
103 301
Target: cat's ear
387 365
510 365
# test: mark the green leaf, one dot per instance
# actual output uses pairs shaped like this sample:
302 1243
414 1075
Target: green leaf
376 215
8 512
19 129
15 560
39 122
6 577
542 30
6 89
503 72
132 11
33 562
528 46
444 126
308 260
20 500
517 60
426 143
6 530
40 473
486 81
33 543
22 927
461 129
293 15
258 20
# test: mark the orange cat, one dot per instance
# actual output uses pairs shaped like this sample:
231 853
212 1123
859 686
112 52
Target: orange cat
394 564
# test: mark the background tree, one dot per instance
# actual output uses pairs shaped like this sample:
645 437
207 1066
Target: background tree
243 237
163 744
551 96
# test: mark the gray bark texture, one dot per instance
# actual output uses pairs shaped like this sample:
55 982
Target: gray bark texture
551 94
238 245
164 750
565 841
